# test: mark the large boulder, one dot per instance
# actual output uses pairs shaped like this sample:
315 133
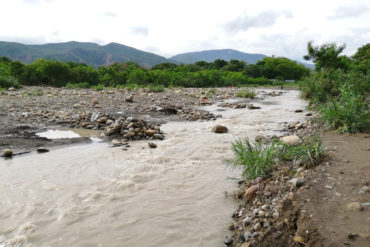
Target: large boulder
219 129
291 140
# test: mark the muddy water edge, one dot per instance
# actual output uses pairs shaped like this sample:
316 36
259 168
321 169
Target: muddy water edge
174 195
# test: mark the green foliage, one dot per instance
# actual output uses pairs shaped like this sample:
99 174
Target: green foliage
327 56
348 113
310 153
256 159
78 85
362 59
8 81
99 87
244 93
156 88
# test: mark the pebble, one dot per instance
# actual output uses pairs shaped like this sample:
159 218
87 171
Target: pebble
297 182
115 142
257 227
42 150
8 152
355 206
219 129
152 145
261 213
247 221
265 207
275 215
255 211
228 241
248 234
241 238
256 234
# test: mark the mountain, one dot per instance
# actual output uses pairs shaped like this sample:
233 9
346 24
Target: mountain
80 52
211 55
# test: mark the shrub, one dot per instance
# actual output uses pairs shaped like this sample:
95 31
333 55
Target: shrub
156 88
348 113
8 81
244 93
255 159
78 85
99 87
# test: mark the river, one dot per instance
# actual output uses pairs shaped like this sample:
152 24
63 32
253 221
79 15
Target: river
174 195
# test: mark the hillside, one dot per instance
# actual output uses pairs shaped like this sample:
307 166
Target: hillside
81 52
211 55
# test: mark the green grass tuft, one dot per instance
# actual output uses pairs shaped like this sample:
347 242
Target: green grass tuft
244 93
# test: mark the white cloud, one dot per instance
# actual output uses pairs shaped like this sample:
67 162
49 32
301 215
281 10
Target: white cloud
169 27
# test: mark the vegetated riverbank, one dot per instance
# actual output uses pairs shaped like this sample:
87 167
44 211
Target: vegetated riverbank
324 205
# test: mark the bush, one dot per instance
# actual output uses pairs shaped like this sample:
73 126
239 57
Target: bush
99 87
244 93
156 88
8 81
348 113
255 159
78 85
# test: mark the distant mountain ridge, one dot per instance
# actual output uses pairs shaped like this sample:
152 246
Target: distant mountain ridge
80 52
98 55
211 55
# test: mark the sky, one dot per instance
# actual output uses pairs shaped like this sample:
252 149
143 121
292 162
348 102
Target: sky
170 27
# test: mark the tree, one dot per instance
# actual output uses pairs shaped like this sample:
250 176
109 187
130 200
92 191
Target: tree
327 56
362 59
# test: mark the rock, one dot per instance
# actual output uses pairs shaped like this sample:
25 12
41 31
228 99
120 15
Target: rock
219 129
291 140
257 227
130 99
275 215
241 238
355 206
366 204
248 235
11 89
158 136
116 142
95 102
297 182
8 153
150 132
231 226
247 221
265 207
298 239
261 213
42 150
297 111
251 191
366 189
253 107
256 235
152 145
228 241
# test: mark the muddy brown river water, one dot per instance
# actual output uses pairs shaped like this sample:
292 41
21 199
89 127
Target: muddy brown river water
174 195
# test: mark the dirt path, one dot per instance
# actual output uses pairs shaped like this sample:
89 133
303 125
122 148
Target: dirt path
343 180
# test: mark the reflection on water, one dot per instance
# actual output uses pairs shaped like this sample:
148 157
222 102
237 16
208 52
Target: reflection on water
93 195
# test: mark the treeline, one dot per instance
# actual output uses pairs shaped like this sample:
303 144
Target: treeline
340 87
201 74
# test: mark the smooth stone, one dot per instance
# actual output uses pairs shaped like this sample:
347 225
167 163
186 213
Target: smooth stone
241 238
261 213
257 226
247 221
265 207
228 241
256 234
219 129
248 234
42 150
116 142
297 182
291 140
355 206
8 152
152 145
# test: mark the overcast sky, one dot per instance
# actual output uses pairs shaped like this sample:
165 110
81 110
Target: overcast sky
169 27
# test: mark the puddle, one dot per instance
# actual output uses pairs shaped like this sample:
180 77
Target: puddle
70 133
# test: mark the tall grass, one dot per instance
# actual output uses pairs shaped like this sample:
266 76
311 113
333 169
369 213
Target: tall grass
257 159
347 113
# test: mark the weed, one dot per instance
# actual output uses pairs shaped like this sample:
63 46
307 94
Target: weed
156 88
244 93
99 87
256 159
348 113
